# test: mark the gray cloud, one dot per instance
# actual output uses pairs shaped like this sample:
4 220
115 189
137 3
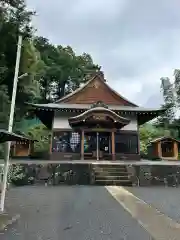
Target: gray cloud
135 42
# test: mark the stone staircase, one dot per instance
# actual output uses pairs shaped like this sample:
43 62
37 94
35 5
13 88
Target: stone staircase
110 175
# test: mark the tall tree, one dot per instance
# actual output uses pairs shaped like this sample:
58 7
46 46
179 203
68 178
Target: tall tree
176 123
177 86
4 106
46 79
29 86
53 71
64 70
169 103
15 20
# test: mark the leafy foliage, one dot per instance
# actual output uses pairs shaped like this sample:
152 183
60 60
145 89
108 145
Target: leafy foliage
171 93
149 132
18 175
169 103
177 85
53 71
4 106
63 71
42 135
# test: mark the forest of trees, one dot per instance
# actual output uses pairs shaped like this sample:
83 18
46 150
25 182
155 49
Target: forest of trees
55 70
169 123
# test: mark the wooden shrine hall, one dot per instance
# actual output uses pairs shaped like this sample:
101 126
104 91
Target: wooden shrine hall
94 122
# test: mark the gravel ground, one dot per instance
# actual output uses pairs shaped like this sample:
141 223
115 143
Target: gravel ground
166 200
70 212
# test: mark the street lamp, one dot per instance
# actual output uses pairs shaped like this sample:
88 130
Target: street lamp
11 119
23 75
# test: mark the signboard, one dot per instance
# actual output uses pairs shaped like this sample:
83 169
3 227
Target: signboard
99 129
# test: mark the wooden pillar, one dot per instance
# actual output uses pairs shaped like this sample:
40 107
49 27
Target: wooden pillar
32 147
139 144
14 149
50 143
159 149
176 153
97 146
29 147
82 145
113 145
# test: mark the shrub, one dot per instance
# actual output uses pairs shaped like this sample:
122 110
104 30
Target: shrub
19 176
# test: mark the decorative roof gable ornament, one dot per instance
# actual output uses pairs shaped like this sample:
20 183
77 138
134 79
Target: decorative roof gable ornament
99 104
98 73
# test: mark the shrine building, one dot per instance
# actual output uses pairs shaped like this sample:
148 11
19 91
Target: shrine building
94 123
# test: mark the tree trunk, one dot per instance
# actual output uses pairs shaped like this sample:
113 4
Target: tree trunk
61 89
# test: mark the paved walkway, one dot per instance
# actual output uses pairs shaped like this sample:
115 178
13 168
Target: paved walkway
157 224
78 212
167 200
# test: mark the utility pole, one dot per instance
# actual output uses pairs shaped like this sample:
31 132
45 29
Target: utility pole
10 126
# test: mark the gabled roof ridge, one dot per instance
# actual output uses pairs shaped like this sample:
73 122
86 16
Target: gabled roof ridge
82 87
76 91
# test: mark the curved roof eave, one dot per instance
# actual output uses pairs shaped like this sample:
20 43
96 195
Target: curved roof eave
100 109
164 138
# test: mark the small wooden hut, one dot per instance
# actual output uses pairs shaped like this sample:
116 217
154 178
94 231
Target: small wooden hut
164 148
21 146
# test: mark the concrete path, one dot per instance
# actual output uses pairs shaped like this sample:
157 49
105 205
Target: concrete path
167 200
157 224
77 212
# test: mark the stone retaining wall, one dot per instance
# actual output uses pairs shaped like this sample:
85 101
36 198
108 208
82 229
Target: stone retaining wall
55 174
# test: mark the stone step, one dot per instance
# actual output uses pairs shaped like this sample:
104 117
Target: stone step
114 182
111 174
109 169
112 177
106 171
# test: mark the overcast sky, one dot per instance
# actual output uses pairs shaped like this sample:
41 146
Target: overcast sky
135 41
